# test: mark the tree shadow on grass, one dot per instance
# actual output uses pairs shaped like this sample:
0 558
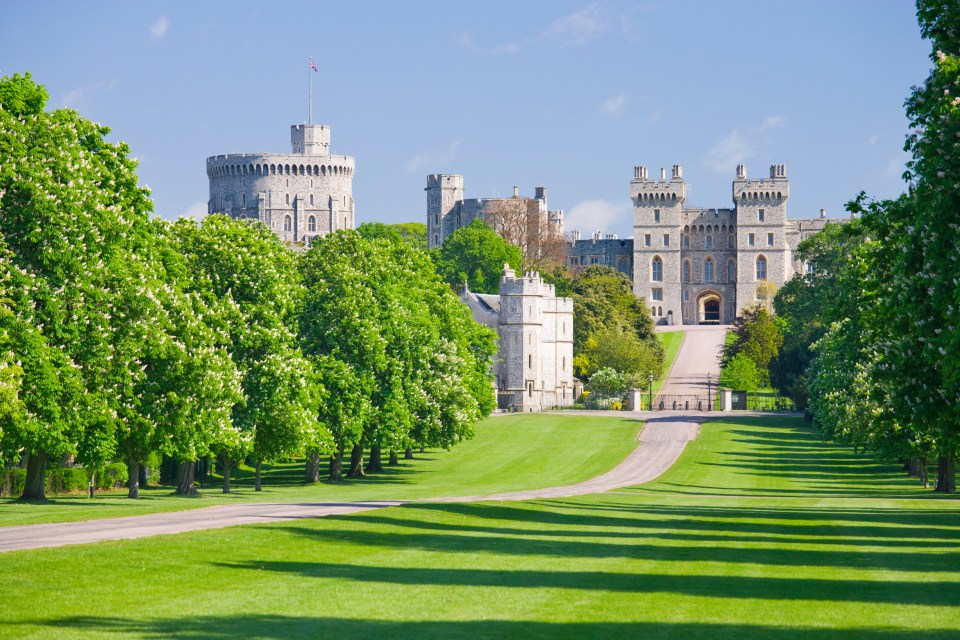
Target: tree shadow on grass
279 627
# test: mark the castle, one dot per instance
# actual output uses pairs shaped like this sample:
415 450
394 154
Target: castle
703 266
447 210
300 195
534 367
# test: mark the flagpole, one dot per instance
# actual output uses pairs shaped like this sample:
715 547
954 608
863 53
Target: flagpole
310 93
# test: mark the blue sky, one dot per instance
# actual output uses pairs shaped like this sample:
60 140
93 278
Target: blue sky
570 95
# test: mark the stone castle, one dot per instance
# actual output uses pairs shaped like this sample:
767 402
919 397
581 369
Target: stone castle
703 266
447 210
300 195
534 367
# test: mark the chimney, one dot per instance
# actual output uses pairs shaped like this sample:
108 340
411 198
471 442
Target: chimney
823 214
663 174
516 191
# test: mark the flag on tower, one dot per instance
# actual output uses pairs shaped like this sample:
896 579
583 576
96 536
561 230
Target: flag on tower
313 66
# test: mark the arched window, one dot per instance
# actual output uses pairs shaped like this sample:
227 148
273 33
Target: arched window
686 271
730 241
708 270
656 270
761 268
709 243
311 224
686 240
732 271
288 198
287 223
311 198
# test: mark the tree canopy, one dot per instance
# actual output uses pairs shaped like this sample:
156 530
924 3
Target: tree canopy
475 254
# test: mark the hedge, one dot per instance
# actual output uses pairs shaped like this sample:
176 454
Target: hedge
66 479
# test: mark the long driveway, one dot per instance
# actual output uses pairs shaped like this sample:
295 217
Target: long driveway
661 442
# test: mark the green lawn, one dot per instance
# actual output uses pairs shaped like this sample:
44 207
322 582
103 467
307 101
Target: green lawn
671 341
509 453
759 531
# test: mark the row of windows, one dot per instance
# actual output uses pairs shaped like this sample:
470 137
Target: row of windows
280 169
656 270
311 224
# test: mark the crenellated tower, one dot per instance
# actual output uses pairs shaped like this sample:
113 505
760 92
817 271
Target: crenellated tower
444 195
657 213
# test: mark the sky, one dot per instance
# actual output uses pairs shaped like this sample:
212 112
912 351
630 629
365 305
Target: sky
566 94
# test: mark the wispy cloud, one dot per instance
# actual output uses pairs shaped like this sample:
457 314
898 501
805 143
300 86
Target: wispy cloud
466 41
580 27
597 215
897 166
434 160
614 106
740 145
159 28
80 97
197 210
874 139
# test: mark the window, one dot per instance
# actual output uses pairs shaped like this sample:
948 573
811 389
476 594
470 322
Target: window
594 259
709 243
730 241
732 271
530 361
656 270
769 239
656 215
760 215
810 268
686 271
311 224
287 223
686 296
646 240
666 239
288 198
686 241
656 294
708 270
750 239
761 268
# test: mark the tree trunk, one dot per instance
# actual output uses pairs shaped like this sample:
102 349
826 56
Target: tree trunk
336 465
922 472
185 481
423 449
256 485
226 464
35 486
356 462
375 464
133 479
92 483
913 468
408 454
393 458
313 468
946 475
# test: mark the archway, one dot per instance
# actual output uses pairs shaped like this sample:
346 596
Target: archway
708 308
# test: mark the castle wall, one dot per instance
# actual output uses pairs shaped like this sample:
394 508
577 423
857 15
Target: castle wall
298 195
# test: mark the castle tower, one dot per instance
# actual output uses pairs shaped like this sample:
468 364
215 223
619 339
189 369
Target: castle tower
300 196
657 214
764 254
444 194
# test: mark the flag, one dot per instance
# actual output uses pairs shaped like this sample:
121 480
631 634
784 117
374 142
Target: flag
313 66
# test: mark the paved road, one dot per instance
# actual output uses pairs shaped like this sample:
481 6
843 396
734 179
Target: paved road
662 441
698 357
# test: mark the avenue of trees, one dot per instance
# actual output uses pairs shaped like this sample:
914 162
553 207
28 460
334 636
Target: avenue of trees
872 337
124 336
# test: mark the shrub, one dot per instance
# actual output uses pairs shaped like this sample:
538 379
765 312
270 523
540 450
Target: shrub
66 479
740 373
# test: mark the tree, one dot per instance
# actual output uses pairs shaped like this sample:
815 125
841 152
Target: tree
620 349
476 254
522 223
740 373
757 335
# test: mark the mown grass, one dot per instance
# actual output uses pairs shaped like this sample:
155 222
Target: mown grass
671 341
759 531
508 453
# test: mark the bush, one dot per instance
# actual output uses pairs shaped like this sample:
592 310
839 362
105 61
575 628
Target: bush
740 373
66 479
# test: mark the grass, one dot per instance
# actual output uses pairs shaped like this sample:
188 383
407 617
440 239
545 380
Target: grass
671 341
760 530
509 453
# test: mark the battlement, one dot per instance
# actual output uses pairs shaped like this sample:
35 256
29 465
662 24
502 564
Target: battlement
310 139
269 164
709 215
444 181
772 190
647 192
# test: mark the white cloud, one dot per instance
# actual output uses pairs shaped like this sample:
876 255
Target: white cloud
466 41
597 215
79 97
433 160
740 145
579 27
874 139
197 210
159 28
614 106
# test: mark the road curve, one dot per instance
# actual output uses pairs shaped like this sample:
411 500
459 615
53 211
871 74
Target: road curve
662 440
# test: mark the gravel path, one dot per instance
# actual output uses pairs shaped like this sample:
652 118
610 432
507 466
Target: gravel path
662 441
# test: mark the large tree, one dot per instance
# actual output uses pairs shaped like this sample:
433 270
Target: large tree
475 255
521 223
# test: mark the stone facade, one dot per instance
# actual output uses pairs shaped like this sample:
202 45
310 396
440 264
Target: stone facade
300 195
534 366
447 210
